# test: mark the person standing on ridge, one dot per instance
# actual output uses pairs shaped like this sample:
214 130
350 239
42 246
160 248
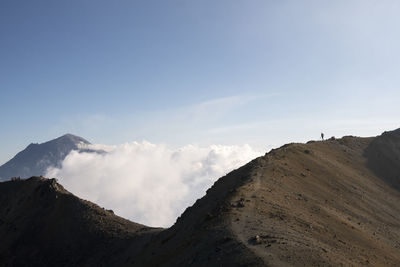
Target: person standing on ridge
322 136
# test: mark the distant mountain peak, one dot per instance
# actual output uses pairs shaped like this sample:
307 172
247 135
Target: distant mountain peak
36 158
74 138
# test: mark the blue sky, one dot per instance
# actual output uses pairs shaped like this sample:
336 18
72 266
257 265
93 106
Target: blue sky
184 71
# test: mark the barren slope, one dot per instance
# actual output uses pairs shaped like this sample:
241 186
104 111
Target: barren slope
318 204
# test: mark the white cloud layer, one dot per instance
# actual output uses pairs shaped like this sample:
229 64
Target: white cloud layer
148 183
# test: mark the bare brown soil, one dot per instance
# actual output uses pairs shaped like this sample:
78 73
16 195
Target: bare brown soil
319 205
330 203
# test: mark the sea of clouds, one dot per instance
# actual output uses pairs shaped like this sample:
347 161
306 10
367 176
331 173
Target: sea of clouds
148 183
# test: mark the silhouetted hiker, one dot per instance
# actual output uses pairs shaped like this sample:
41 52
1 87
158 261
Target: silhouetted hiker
322 136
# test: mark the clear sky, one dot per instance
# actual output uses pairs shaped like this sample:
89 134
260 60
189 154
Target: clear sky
204 72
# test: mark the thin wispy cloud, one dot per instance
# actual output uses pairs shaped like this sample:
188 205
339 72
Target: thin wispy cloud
176 125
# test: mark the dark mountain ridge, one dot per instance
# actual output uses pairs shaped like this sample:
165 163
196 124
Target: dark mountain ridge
42 224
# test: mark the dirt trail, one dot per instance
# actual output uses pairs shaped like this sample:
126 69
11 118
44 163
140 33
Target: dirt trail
246 208
245 222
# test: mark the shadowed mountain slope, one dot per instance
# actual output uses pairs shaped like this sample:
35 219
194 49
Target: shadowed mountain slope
324 203
36 158
384 157
41 224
